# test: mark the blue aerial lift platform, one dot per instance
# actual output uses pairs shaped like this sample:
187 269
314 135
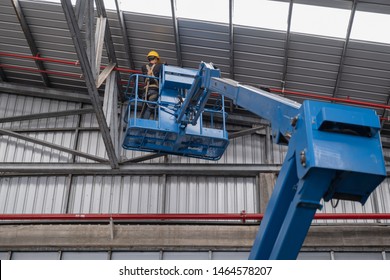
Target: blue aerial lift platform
179 126
334 150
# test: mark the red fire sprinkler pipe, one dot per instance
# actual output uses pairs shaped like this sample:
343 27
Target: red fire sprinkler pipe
60 61
243 216
33 70
341 100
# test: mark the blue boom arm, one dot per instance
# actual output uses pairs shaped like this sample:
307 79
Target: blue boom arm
334 152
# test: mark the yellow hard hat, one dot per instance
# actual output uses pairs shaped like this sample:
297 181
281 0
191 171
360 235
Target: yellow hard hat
153 53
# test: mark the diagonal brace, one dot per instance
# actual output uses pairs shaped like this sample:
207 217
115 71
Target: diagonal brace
89 80
47 115
51 145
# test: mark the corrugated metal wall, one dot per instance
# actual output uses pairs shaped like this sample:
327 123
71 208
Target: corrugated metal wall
132 194
15 150
313 64
33 195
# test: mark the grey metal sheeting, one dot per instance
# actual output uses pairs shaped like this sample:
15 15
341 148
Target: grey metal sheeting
312 67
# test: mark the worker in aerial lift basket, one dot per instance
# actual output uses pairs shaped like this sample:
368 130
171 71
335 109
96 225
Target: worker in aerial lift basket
152 68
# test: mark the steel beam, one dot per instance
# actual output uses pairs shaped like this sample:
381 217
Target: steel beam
53 129
99 41
113 82
110 109
122 24
345 47
30 40
47 115
101 11
90 81
224 170
42 92
90 36
268 145
79 11
176 34
142 158
231 38
287 45
245 132
104 74
3 76
51 145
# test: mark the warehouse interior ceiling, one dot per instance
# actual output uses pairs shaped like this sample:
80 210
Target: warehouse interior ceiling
41 51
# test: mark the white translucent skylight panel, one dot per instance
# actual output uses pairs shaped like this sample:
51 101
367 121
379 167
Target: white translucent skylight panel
207 10
320 20
261 13
152 7
371 27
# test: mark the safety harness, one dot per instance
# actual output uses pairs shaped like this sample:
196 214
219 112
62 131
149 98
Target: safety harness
149 85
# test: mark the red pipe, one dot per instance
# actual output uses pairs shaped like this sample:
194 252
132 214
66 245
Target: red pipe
37 57
76 63
342 100
242 216
56 73
62 61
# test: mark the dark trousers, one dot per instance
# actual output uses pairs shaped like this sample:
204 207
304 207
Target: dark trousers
148 108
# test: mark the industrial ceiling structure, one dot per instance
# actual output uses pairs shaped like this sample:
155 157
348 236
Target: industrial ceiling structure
40 48
63 73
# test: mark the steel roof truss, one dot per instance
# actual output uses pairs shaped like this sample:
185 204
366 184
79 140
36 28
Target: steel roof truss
30 40
231 38
110 109
90 36
42 92
3 77
109 44
51 145
80 7
176 33
287 44
104 74
126 44
226 170
90 81
345 47
99 41
47 115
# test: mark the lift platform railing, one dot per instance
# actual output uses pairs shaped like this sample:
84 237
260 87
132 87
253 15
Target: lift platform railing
136 98
164 133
